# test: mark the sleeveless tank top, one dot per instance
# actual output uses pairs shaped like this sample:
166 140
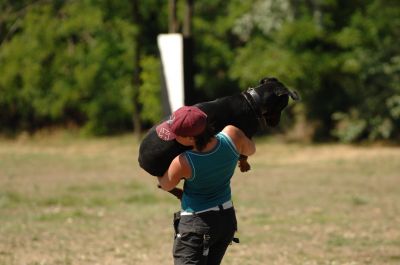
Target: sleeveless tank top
212 171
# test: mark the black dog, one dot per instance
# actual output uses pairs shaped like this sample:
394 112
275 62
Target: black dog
250 111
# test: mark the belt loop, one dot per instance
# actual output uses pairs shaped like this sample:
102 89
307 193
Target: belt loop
206 244
221 208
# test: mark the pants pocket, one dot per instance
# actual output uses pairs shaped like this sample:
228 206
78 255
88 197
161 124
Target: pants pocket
176 221
189 248
192 242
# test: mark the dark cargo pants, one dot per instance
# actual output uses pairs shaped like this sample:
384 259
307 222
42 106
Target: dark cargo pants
202 239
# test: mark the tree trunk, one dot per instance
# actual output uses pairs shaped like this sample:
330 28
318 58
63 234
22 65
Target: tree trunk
187 22
136 18
172 18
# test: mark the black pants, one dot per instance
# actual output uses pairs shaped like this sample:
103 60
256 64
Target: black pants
203 238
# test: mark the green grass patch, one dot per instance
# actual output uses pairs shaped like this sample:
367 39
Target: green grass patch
142 198
64 215
64 200
339 241
359 201
11 199
95 187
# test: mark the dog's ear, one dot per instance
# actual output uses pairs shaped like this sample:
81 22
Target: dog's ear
268 79
294 95
263 81
280 91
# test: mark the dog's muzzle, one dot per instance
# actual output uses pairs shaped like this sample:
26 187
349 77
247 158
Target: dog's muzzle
259 109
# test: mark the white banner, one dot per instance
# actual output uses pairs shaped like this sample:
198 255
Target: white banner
171 50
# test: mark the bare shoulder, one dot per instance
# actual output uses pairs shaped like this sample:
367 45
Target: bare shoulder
233 132
243 144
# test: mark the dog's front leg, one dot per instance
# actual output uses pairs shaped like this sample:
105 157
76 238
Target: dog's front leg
243 164
177 192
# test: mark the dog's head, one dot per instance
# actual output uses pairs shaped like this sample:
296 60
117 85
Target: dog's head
274 97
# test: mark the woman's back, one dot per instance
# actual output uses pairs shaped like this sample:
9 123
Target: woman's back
209 184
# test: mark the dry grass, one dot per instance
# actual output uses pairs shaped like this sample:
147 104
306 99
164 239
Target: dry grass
80 201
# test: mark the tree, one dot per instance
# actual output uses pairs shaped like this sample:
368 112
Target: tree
342 55
74 62
96 64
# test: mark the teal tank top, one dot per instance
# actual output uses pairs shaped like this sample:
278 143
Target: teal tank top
212 171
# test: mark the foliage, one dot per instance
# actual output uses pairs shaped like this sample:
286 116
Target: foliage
214 48
374 59
149 92
67 63
346 66
74 62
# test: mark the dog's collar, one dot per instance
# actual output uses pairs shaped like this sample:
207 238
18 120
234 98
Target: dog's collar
254 100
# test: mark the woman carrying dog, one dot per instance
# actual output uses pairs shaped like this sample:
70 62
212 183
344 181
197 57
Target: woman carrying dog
206 224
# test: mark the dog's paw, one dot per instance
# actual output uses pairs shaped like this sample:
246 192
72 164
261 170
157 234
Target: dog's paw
244 167
177 192
243 164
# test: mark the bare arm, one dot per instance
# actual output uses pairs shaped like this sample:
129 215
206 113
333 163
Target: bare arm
243 144
178 169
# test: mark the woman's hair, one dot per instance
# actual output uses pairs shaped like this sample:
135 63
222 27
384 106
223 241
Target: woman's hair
205 137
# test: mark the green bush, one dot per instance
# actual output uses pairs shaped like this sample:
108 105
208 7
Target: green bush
68 64
150 92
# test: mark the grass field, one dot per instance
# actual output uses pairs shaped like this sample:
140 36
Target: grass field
66 200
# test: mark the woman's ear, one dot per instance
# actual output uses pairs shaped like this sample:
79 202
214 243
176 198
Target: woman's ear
185 140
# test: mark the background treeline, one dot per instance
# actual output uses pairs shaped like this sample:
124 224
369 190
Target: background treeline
94 64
